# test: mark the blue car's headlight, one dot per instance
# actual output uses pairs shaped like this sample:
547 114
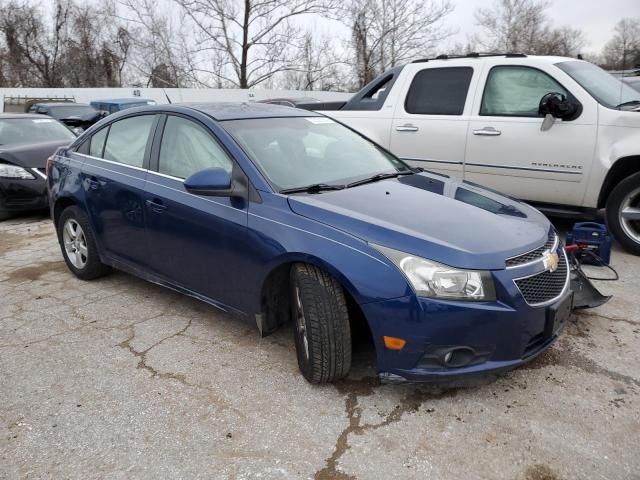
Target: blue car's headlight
431 279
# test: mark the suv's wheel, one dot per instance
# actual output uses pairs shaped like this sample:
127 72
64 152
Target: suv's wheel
623 213
320 324
78 245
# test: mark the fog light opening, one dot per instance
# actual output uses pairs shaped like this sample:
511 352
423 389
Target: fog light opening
458 357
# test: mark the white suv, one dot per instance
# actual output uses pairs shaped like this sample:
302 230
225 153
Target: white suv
557 132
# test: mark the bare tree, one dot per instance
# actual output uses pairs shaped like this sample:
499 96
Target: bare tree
523 26
258 38
95 50
320 67
623 50
410 29
79 47
386 33
33 49
565 41
158 52
512 25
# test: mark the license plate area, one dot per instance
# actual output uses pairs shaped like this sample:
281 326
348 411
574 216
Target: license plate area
557 316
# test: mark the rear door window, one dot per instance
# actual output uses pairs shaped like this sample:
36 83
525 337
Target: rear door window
439 91
127 140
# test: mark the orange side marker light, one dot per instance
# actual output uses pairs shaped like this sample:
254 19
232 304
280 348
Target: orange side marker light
394 343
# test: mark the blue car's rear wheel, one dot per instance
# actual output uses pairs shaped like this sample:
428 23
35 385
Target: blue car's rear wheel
320 324
78 245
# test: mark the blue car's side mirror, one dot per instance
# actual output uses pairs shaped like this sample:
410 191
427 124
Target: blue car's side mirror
211 181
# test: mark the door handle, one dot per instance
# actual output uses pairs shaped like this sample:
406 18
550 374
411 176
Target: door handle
156 206
487 132
93 183
407 127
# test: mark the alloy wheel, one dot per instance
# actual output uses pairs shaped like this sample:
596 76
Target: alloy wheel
629 215
75 244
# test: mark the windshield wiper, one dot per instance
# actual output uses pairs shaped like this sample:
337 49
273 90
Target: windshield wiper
628 104
314 188
377 177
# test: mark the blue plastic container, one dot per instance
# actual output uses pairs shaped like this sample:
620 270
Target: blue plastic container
593 237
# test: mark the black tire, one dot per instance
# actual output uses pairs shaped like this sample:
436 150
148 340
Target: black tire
93 268
614 204
4 215
326 325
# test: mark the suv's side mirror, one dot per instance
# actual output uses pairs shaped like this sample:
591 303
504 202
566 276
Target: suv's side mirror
556 105
211 181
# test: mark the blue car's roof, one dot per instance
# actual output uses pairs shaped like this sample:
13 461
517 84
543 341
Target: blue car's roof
224 110
239 111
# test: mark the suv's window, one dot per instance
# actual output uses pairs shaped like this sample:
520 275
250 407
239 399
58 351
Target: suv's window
96 145
187 148
439 91
516 91
127 140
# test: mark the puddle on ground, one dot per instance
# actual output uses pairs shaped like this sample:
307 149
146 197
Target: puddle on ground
12 241
540 472
34 272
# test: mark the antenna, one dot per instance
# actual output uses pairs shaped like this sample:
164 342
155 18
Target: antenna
166 95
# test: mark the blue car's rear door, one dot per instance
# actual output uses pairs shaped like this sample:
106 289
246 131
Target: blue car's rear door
113 178
195 242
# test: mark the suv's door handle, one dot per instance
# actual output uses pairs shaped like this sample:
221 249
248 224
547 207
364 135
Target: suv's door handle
156 206
488 131
407 127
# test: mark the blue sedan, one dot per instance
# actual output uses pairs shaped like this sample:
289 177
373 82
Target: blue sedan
283 216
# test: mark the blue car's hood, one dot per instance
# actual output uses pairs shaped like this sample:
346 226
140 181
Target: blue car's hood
449 221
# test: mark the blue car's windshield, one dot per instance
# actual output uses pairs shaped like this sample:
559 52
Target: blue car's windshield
294 152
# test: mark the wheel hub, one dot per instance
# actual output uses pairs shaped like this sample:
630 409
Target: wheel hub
75 243
629 215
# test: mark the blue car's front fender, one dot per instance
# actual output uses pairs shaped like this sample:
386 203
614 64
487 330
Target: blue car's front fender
283 237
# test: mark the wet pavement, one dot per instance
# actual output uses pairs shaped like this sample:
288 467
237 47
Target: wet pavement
119 378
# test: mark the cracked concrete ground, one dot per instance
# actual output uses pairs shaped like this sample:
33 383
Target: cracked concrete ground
118 378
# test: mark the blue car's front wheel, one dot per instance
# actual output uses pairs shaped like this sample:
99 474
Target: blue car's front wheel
320 324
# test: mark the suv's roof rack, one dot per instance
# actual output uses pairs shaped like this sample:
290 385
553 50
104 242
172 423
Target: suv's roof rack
471 55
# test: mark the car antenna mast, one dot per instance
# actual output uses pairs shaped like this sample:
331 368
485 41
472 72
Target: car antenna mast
166 95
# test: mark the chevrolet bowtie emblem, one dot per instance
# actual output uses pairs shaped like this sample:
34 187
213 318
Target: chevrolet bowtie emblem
551 261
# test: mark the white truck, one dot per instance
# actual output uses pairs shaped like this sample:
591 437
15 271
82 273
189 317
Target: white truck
557 132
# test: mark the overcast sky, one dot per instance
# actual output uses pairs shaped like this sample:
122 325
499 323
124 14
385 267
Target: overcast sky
595 17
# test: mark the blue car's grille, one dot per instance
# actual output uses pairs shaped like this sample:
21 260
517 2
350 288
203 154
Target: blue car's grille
546 286
536 254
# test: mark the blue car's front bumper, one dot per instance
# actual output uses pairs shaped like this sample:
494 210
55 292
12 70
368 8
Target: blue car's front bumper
503 334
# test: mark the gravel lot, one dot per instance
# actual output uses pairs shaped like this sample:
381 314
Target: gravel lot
118 378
